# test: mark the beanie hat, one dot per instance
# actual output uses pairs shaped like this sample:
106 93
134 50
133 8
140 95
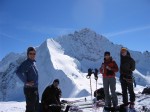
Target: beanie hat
30 49
107 53
56 80
123 49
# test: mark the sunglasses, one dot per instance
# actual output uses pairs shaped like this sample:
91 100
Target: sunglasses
107 55
32 53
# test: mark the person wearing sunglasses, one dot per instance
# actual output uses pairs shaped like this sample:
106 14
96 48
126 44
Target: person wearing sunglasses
28 74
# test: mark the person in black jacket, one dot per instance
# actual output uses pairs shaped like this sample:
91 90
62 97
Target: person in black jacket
51 98
28 74
127 66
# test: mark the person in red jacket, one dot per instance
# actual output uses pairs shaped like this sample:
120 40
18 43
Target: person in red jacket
108 70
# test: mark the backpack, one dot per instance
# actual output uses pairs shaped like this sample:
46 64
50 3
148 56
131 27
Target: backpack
99 94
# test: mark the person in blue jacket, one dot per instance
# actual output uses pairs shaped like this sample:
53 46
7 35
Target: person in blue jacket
28 74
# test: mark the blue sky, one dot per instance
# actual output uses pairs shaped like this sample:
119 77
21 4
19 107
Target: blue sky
26 23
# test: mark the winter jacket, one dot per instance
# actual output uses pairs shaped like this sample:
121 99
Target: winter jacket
109 73
51 95
27 72
127 66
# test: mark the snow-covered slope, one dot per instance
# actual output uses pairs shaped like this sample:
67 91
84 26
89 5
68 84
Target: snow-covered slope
141 101
58 65
68 58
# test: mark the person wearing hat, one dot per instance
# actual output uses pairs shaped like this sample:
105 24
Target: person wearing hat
127 66
108 70
28 74
50 97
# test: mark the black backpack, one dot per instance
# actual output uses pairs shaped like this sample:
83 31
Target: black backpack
99 94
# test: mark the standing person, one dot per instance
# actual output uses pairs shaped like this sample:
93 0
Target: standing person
28 74
51 96
108 70
127 66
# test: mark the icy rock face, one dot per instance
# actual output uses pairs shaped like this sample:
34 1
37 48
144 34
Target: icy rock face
85 44
7 60
67 58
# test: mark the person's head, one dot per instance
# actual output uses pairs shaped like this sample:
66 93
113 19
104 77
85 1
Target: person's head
56 82
107 55
31 52
124 51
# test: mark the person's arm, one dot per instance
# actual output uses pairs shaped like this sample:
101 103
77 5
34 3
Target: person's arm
21 72
132 62
60 94
115 67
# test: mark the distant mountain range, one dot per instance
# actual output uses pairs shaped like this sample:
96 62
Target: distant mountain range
68 58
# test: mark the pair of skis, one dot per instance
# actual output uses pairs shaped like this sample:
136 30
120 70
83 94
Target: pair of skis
101 104
79 106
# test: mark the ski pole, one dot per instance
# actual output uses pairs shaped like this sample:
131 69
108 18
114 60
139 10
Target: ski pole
91 88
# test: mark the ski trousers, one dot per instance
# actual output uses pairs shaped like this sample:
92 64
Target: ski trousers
32 99
127 87
110 83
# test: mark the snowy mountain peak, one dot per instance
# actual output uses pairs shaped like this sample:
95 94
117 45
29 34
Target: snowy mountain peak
147 54
87 34
85 31
84 44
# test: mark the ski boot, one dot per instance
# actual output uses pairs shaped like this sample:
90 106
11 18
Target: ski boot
131 107
107 108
